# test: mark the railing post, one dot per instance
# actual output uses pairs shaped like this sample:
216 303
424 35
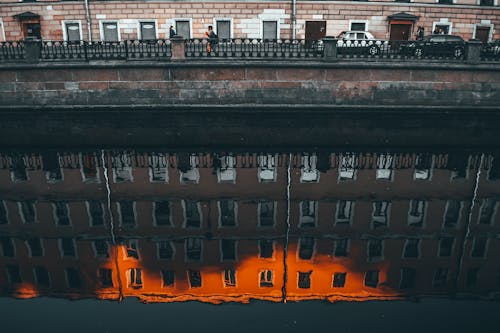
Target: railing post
329 49
473 51
178 48
32 50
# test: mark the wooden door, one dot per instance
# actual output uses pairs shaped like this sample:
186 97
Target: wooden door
400 32
483 34
315 30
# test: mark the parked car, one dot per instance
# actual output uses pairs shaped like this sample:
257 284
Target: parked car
491 49
435 45
360 42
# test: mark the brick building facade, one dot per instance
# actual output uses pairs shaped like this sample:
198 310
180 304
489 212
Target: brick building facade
213 227
121 20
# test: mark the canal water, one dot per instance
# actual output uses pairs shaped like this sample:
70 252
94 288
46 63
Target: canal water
137 238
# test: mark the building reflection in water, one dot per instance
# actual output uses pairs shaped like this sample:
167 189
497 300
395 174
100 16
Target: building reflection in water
218 227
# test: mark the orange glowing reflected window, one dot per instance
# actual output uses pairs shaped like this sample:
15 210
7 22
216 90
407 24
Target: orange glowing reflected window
134 276
194 278
106 277
266 278
229 277
339 279
304 280
168 278
371 279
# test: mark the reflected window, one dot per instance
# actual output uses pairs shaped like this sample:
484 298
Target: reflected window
459 165
134 277
132 248
488 210
452 213
67 246
35 247
229 277
304 280
440 277
18 172
122 168
384 167
73 278
52 167
341 247
61 212
192 214
158 167
344 212
161 213
193 249
445 246
194 279
188 166
479 247
27 211
227 213
266 248
266 278
423 167
411 249
308 214
267 168
168 278
347 167
494 170
306 248
375 250
371 279
228 249
309 172
90 171
96 213
126 211
472 276
4 219
416 213
408 278
165 250
226 171
101 248
14 274
380 214
339 279
42 277
105 277
7 246
267 213
147 30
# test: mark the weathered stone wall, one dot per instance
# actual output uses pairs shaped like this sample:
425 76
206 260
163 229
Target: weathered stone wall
227 83
246 16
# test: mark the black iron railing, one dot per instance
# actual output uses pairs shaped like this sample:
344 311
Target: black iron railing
253 48
11 51
327 49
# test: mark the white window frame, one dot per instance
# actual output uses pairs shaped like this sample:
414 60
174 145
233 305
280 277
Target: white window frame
120 217
231 27
194 161
366 22
2 30
459 218
101 28
87 204
259 208
97 179
127 245
382 251
128 168
65 33
175 19
444 21
56 219
385 171
158 156
169 216
226 167
297 253
41 246
312 163
316 213
235 211
443 4
428 171
278 26
495 3
387 213
270 161
425 203
343 169
21 213
491 26
139 32
184 215
133 284
351 212
202 245
224 278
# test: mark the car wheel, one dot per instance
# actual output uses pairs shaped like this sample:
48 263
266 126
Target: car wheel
459 52
373 50
418 52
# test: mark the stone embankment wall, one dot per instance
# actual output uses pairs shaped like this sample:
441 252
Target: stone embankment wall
224 83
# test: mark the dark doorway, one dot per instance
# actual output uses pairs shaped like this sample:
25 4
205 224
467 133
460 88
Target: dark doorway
315 30
483 34
32 30
400 32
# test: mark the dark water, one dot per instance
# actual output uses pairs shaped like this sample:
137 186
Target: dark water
313 239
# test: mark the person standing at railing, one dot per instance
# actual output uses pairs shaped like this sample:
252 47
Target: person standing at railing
213 40
172 32
420 33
